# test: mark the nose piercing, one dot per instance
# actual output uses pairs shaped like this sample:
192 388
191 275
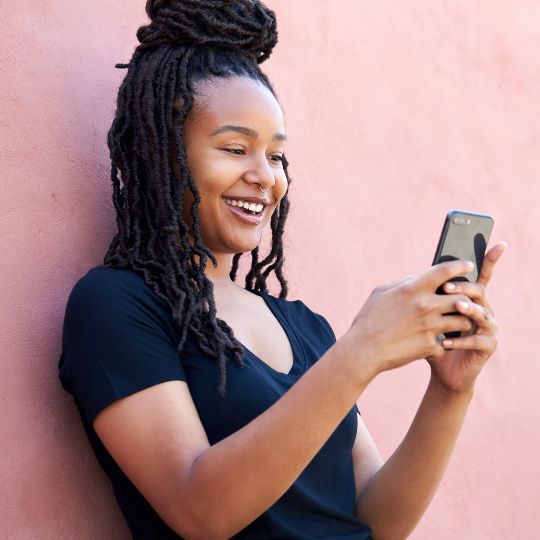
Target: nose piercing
263 190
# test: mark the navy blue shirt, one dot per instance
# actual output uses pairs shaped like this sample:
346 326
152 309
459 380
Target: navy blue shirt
119 338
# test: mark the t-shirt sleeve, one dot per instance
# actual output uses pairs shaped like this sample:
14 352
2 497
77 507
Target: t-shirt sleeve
116 341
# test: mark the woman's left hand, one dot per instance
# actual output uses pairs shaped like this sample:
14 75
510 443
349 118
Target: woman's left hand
457 369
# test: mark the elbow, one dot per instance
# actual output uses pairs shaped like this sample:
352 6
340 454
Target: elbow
194 526
201 524
385 527
198 516
390 533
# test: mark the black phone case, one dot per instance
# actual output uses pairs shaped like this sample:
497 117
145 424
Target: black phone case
465 235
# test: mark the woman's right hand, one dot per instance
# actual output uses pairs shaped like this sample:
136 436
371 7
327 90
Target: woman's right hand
400 321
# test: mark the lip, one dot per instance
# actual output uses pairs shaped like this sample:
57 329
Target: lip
246 218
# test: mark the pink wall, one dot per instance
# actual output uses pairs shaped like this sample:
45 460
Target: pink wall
395 114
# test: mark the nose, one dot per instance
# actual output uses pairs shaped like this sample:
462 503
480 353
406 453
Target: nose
260 173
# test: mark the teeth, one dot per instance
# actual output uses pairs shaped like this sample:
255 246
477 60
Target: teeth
254 207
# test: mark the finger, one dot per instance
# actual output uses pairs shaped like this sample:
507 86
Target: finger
490 259
478 342
392 284
475 291
479 314
446 303
442 272
466 291
454 323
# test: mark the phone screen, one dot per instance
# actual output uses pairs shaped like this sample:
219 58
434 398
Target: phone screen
465 235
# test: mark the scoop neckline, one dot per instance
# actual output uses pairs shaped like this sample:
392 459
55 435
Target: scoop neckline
299 353
299 356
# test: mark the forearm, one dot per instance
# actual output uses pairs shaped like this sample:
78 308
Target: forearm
396 497
234 481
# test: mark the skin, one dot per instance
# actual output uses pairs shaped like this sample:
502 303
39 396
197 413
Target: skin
395 498
233 164
194 486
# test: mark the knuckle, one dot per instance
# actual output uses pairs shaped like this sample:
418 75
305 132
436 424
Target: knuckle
426 326
438 351
378 289
430 340
476 341
406 287
422 306
446 271
467 325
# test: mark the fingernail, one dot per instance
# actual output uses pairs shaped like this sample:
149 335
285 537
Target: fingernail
447 343
463 305
470 264
450 286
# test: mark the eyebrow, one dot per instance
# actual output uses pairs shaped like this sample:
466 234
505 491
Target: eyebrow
248 132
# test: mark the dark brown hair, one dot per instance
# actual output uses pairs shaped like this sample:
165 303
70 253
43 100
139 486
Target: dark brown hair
185 42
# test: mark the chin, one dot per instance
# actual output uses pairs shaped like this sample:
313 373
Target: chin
245 246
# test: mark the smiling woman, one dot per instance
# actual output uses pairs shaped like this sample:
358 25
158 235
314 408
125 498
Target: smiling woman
234 141
222 411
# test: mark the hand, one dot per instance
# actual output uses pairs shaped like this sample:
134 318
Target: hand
400 321
456 370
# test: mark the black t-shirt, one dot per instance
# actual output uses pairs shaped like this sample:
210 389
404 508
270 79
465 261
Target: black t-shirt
119 338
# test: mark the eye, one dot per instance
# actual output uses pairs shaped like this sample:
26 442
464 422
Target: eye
235 151
276 158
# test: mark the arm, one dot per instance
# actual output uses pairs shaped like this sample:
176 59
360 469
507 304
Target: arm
212 492
395 498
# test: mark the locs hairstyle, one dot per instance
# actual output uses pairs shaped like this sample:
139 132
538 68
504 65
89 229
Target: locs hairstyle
186 41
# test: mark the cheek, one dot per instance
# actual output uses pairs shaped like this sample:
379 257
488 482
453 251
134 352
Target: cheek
281 186
212 174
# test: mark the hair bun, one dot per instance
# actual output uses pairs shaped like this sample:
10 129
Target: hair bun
246 25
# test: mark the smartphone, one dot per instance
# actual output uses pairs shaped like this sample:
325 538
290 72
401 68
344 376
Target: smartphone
465 235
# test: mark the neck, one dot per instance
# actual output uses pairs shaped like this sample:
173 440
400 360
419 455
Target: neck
219 276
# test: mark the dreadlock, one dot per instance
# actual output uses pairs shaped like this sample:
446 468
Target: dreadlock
186 41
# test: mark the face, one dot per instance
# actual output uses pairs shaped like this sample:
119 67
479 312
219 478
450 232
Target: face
234 137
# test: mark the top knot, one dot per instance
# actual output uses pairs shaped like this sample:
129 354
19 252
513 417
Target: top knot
246 25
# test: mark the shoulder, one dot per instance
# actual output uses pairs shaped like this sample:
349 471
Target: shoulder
298 311
107 299
113 285
118 338
103 280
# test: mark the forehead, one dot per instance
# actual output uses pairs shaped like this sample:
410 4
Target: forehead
237 100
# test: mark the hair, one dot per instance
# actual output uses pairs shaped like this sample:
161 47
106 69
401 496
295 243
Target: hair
186 41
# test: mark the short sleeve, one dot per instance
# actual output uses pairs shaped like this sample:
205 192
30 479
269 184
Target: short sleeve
327 328
117 340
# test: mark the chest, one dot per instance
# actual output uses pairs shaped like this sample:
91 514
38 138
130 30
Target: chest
257 328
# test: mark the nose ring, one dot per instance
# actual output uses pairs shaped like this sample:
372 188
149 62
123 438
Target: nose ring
263 190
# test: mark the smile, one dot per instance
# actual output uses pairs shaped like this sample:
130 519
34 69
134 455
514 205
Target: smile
246 212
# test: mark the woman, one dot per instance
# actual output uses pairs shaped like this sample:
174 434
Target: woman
222 411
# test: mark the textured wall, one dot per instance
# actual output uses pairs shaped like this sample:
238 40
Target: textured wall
396 112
